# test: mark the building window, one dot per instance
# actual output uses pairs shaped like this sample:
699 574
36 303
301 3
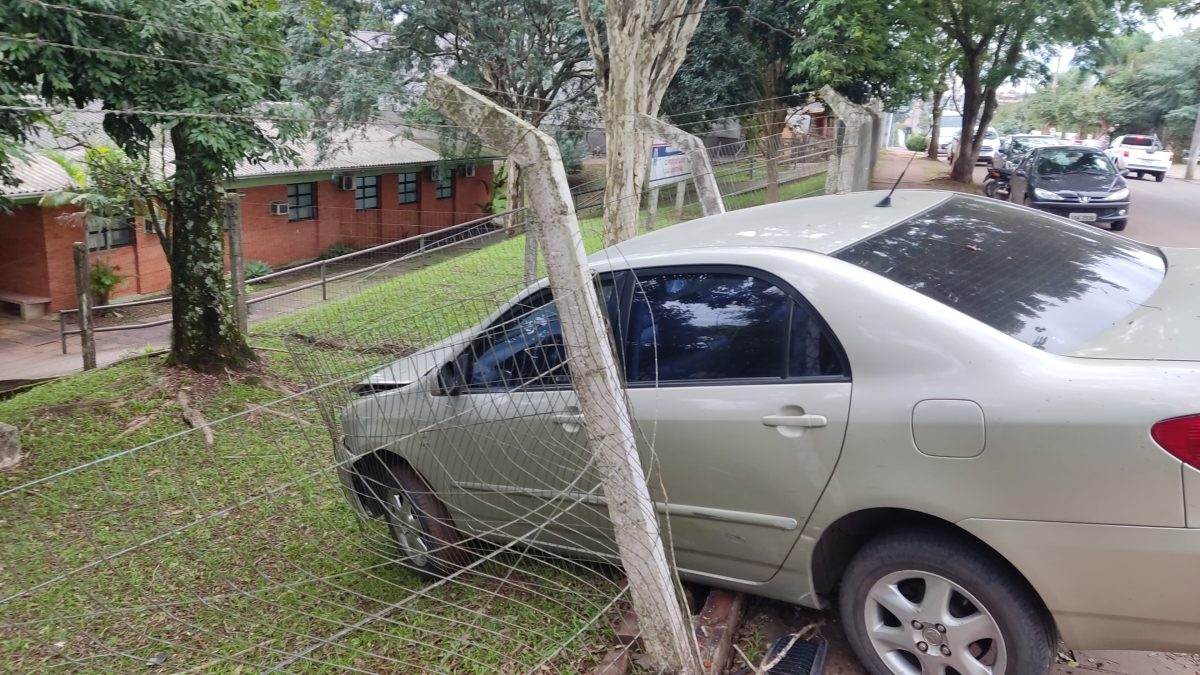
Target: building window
408 187
302 201
445 184
104 236
366 192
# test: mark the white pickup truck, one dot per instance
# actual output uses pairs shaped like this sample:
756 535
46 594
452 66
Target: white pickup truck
1140 155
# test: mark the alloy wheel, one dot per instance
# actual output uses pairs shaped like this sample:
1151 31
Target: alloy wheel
406 528
921 623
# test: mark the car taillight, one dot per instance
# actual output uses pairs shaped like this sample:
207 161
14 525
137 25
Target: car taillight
1180 436
1126 153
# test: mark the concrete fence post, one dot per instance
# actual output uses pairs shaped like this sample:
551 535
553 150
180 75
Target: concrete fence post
237 260
855 149
707 189
668 641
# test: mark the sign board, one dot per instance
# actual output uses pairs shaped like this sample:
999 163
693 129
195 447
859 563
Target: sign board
668 165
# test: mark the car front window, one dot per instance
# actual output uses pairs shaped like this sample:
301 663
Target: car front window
1050 284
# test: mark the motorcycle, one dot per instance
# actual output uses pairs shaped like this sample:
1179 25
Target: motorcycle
996 185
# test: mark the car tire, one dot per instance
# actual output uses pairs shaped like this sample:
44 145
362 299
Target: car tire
1140 175
1160 177
1117 225
990 617
421 527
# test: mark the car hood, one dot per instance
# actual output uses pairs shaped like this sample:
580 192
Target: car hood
410 369
1166 326
1090 184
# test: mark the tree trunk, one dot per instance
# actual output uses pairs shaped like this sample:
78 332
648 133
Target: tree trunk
628 151
964 161
1190 172
935 125
204 332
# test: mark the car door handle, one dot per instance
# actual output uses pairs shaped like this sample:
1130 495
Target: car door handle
568 418
806 421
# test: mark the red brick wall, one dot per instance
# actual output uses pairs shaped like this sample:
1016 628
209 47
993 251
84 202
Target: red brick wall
23 252
277 241
35 246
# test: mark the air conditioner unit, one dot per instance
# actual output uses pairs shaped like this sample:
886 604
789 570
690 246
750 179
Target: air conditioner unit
467 171
343 182
433 173
279 208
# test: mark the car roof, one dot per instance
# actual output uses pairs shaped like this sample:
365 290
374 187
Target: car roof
1066 146
820 224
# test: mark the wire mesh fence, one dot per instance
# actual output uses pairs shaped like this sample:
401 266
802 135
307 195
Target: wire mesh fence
405 486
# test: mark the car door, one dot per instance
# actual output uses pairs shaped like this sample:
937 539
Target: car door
1019 180
517 455
741 396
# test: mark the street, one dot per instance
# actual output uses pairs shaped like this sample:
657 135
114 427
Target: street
1162 214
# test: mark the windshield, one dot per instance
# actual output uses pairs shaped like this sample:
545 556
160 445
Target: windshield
991 135
1066 160
950 123
1047 283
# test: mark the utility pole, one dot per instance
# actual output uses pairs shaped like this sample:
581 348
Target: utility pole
237 259
1190 172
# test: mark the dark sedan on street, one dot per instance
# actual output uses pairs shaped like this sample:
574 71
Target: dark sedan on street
1072 181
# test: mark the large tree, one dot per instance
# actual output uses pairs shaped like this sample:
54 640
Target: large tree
188 75
637 46
739 68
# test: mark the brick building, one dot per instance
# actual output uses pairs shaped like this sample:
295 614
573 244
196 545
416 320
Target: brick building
379 187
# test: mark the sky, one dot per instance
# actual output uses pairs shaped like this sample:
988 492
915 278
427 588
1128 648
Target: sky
1166 24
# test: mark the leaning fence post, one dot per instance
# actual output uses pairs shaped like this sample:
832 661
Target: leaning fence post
680 194
62 331
237 260
83 288
598 386
702 172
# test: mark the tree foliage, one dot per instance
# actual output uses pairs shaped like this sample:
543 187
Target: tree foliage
214 62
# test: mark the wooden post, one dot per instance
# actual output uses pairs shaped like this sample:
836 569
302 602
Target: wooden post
594 370
83 289
702 172
237 259
652 209
680 196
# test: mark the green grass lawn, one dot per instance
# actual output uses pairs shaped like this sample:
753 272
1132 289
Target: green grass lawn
233 557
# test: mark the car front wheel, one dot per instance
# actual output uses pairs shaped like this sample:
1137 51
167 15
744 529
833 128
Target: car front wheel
917 602
421 527
1117 225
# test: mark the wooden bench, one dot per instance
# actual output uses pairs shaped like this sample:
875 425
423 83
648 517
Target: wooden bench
31 306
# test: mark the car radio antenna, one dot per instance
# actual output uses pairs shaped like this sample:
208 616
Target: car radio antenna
887 201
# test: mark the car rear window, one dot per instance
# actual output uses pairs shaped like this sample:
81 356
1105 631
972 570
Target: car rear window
1047 282
1146 141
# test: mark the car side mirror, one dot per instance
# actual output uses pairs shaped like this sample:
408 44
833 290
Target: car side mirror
1019 172
451 381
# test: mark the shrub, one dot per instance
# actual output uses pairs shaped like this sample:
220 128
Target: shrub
335 251
256 269
916 143
105 278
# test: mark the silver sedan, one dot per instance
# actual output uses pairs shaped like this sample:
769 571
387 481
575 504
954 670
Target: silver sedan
972 426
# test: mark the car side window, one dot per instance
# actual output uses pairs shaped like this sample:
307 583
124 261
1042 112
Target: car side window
524 348
722 325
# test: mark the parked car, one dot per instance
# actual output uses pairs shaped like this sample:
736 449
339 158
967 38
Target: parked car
991 142
973 424
948 129
1140 155
1073 181
1011 152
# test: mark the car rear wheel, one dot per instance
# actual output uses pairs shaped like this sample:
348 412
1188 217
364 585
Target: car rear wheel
1117 225
1160 177
421 527
1140 175
918 602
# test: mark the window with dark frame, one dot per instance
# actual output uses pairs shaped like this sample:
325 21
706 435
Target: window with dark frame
445 184
301 201
366 192
102 237
409 187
